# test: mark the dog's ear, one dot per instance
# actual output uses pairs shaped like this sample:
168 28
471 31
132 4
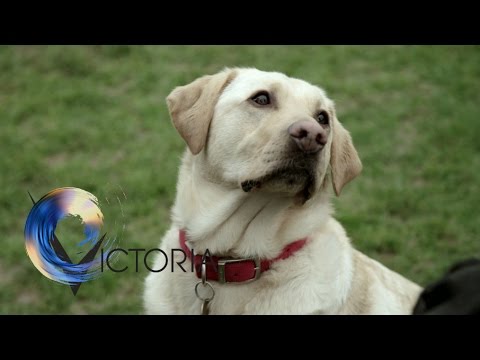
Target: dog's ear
344 160
191 107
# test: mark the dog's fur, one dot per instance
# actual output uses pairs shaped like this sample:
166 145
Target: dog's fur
242 191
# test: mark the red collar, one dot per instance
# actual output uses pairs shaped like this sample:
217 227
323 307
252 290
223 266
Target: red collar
227 269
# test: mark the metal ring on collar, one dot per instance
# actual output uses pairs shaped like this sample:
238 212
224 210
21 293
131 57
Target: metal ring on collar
204 273
206 284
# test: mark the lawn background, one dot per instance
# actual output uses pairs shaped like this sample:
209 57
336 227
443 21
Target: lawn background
94 117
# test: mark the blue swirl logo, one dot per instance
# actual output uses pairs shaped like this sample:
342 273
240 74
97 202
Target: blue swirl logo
44 248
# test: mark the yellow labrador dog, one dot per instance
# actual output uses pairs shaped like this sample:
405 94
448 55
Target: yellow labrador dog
253 197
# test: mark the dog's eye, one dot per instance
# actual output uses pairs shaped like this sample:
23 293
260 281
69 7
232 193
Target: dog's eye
261 98
322 118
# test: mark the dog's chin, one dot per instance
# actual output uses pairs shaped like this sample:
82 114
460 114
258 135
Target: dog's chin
298 183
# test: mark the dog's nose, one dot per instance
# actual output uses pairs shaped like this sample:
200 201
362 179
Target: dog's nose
309 136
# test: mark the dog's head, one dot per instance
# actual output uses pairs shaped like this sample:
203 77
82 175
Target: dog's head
264 131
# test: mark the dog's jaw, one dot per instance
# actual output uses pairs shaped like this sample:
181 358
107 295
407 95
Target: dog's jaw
296 175
301 184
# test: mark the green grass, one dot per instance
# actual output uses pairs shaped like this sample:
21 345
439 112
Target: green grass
95 117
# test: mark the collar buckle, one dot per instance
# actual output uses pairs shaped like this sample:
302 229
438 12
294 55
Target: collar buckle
224 261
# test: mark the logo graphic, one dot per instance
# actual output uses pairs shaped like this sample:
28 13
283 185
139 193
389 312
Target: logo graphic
44 248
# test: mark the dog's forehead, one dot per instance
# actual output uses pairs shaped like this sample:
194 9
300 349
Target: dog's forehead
248 81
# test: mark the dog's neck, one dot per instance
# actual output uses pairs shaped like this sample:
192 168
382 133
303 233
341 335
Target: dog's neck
227 221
